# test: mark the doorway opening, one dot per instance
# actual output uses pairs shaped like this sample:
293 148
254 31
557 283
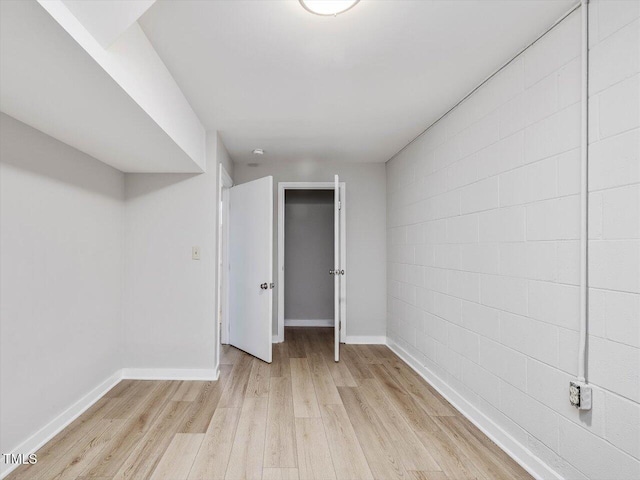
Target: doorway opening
246 264
308 258
311 257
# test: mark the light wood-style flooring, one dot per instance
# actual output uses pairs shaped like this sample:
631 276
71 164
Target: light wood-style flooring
301 417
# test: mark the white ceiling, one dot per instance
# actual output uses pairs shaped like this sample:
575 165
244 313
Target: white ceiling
356 87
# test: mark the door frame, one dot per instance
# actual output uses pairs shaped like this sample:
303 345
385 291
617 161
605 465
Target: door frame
222 262
282 188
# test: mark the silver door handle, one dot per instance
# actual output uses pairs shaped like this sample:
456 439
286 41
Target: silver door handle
332 272
264 286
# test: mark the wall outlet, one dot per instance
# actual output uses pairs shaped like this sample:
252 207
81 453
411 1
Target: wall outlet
195 253
580 395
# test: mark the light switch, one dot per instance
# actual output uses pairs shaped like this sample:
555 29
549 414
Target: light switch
195 253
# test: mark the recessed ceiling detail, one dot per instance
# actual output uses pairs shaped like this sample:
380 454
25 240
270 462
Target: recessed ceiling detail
120 105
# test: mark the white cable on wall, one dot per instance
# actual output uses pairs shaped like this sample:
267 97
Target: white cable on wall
584 194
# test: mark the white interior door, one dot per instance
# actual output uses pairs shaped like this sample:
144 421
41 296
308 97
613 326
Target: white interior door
338 272
250 267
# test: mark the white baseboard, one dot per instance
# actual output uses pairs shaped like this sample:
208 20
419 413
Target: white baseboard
516 450
365 340
316 322
46 433
51 429
171 373
276 339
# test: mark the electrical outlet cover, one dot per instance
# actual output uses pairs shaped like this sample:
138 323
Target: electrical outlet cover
580 395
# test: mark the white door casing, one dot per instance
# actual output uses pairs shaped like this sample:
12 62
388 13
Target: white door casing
225 183
282 188
337 274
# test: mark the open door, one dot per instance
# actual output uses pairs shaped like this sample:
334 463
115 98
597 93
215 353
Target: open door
250 267
339 271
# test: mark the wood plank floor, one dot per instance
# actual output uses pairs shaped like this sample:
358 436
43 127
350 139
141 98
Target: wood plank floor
301 417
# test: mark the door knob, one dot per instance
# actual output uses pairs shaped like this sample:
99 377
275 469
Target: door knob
332 272
264 286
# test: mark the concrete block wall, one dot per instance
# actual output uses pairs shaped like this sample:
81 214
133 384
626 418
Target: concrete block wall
483 223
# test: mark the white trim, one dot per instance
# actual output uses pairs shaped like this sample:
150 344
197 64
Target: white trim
282 186
306 185
512 447
55 426
275 339
343 262
227 181
366 339
51 429
314 322
225 263
171 373
222 264
336 266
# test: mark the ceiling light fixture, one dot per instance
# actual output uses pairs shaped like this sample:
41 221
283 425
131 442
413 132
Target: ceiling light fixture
258 151
328 7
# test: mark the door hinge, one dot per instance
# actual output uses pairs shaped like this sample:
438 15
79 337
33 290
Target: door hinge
339 324
339 205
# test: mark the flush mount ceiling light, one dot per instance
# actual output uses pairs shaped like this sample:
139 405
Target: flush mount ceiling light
258 151
328 7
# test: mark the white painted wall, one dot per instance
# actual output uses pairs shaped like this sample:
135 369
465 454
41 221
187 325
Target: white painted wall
614 241
61 227
483 229
309 239
169 299
366 239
